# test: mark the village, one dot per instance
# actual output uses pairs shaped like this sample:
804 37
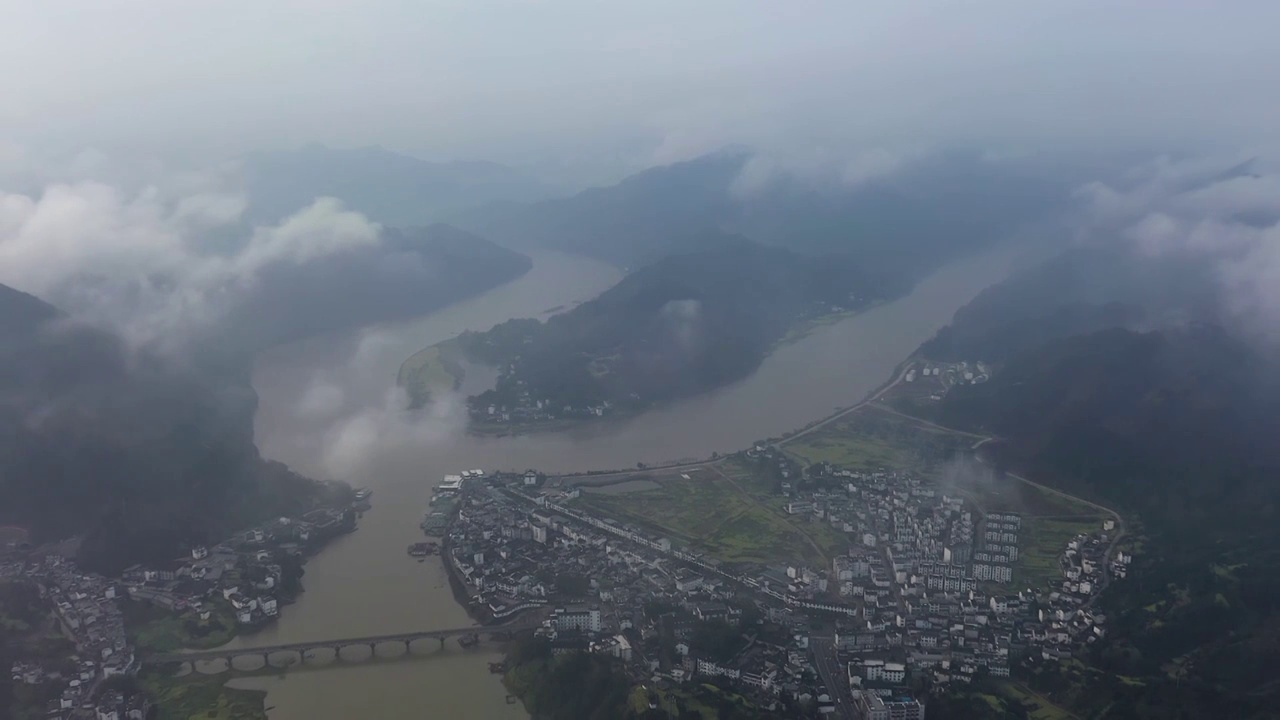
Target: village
923 595
201 599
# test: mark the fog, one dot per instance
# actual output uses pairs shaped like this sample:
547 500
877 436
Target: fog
1215 210
125 123
598 89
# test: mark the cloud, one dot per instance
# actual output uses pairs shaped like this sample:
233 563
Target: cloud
141 262
821 167
1229 221
354 441
684 318
321 401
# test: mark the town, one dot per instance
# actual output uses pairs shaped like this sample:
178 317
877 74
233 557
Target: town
201 599
923 596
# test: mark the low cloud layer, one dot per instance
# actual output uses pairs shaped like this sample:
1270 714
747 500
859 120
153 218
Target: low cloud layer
146 262
1221 212
822 168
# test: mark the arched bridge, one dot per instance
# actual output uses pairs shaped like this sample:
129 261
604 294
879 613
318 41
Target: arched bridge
465 635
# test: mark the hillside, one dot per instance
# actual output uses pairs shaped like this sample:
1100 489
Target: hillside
410 272
138 455
387 187
1176 430
683 325
1081 290
911 222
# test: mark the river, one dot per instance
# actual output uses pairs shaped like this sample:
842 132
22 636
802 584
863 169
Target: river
328 408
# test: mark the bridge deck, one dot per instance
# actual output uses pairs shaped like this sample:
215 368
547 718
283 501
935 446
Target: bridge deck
222 653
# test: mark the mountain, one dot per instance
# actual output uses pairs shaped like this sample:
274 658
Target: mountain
1176 430
137 454
1115 382
914 220
682 325
1081 290
388 187
1116 379
639 220
410 272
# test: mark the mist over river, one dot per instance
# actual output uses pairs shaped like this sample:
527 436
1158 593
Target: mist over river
329 408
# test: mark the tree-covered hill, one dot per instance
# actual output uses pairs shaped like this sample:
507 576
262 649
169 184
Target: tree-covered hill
1176 430
138 454
683 325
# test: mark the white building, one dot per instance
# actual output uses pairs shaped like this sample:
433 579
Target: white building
576 618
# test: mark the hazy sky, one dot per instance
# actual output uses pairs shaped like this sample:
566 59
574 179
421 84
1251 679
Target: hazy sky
641 82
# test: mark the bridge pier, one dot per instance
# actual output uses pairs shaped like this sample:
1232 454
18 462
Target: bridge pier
266 659
337 653
373 651
408 647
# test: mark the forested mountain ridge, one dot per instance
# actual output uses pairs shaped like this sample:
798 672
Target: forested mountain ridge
1175 429
409 272
137 454
386 186
685 324
909 222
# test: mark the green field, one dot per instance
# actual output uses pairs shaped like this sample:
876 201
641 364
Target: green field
202 697
1041 542
433 370
708 513
871 439
702 699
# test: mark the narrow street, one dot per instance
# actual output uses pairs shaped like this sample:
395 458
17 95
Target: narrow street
833 675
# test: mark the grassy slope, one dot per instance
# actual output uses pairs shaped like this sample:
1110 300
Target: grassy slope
201 697
431 370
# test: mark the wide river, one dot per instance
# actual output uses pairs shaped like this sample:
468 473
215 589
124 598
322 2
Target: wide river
328 408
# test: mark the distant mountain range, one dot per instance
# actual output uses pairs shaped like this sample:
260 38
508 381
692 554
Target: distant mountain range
387 187
915 220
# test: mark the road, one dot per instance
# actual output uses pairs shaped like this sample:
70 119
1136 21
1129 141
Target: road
902 374
833 675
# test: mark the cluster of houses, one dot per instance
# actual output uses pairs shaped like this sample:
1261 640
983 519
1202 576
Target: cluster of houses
114 705
510 543
918 595
86 607
936 379
1065 617
524 408
242 575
